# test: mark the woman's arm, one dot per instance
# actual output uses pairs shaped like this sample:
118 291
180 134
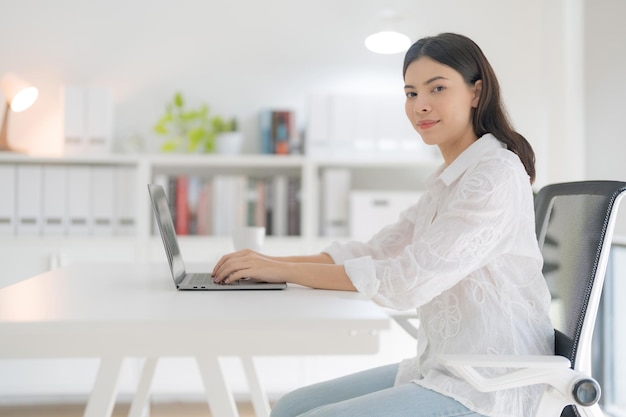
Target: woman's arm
315 271
322 258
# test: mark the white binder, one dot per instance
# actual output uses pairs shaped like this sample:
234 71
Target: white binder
78 198
87 120
54 221
336 183
29 201
102 200
98 119
126 200
8 202
74 124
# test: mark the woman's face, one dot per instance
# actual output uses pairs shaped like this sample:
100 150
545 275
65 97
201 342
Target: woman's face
439 105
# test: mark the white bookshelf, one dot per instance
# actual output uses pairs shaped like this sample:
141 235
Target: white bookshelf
39 252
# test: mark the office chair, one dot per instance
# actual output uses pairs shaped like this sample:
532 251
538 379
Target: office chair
574 225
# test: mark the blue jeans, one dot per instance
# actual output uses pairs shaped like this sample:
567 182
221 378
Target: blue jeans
369 393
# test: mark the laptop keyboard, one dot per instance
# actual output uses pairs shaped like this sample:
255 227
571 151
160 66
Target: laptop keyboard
206 280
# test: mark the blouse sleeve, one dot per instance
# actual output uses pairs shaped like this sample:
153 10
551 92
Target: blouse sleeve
476 225
388 242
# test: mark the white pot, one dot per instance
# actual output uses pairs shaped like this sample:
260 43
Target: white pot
229 143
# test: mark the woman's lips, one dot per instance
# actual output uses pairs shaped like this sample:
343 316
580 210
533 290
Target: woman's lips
427 124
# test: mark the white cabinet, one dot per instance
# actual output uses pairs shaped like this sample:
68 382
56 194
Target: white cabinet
24 257
132 239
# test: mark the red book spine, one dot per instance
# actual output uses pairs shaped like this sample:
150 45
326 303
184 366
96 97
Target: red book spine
182 205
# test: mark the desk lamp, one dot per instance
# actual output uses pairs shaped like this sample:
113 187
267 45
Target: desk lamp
19 96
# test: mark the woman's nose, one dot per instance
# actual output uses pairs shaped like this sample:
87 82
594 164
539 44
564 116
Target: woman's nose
421 105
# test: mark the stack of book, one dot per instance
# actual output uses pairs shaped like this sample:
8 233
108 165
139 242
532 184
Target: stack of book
216 205
279 133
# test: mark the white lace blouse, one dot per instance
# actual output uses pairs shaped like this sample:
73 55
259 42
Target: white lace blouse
466 256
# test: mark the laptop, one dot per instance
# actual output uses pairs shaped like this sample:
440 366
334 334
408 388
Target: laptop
192 281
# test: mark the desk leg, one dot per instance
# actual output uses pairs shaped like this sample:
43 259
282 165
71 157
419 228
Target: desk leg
218 394
104 392
259 397
140 401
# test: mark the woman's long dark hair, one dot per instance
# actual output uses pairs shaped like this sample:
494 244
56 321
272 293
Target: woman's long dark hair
463 55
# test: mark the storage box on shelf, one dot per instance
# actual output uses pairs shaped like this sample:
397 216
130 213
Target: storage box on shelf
341 180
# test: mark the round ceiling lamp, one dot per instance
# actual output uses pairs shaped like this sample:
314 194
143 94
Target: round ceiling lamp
387 39
387 42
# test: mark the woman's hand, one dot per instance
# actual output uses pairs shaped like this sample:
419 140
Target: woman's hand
315 271
249 264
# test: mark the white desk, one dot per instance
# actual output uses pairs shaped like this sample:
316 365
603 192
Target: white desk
118 311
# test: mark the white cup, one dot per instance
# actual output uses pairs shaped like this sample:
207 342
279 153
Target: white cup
250 237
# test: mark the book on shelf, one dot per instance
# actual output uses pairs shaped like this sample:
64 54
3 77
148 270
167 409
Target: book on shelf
279 212
181 204
228 199
279 133
216 205
294 206
204 210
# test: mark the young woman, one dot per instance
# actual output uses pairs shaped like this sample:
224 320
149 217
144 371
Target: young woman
465 256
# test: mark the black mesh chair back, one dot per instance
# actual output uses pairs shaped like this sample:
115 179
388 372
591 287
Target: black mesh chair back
574 225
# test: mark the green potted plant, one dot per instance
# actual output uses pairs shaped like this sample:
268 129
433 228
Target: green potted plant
228 139
190 130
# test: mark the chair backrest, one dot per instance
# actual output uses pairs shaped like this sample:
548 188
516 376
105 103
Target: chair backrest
574 226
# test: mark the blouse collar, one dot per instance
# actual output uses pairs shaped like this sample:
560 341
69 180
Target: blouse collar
485 144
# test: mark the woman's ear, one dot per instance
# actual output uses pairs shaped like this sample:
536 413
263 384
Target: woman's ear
478 87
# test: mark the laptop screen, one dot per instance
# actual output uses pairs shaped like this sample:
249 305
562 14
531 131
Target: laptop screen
168 233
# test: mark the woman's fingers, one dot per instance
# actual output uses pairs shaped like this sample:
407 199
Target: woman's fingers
247 264
230 264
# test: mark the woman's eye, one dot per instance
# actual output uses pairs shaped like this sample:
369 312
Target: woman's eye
411 94
439 89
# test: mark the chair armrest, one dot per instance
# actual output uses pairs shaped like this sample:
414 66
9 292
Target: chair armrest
570 386
506 361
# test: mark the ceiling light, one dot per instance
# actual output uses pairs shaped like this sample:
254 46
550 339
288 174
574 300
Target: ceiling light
387 42
387 39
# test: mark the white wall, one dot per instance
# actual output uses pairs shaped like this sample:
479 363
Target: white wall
561 77
242 55
605 93
605 82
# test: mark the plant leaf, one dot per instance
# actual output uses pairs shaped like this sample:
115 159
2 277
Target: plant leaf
161 129
196 136
178 100
169 146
